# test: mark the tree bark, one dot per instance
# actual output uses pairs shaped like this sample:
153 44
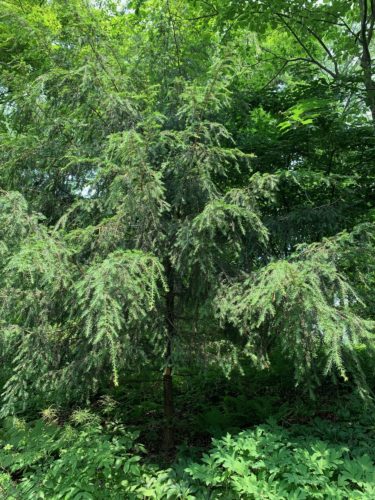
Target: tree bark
168 432
367 30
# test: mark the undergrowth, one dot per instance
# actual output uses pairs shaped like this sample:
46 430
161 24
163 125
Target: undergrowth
90 456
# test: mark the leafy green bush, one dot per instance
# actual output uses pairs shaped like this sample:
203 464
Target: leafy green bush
86 459
270 463
80 461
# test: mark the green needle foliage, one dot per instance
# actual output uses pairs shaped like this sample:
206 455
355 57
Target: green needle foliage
306 306
114 298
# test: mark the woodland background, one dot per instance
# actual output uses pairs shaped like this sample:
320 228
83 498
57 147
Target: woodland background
187 249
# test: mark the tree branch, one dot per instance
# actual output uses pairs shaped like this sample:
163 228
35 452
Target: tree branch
300 42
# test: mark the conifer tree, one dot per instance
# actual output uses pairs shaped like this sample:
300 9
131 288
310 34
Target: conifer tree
154 185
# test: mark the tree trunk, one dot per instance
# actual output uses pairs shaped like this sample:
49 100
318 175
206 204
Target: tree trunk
367 30
168 432
370 91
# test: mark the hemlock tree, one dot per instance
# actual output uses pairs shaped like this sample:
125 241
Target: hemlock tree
136 223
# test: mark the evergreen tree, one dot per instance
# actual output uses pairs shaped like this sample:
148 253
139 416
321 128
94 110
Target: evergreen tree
155 185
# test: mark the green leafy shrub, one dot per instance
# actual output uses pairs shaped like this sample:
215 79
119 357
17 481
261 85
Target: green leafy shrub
86 459
81 461
269 462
